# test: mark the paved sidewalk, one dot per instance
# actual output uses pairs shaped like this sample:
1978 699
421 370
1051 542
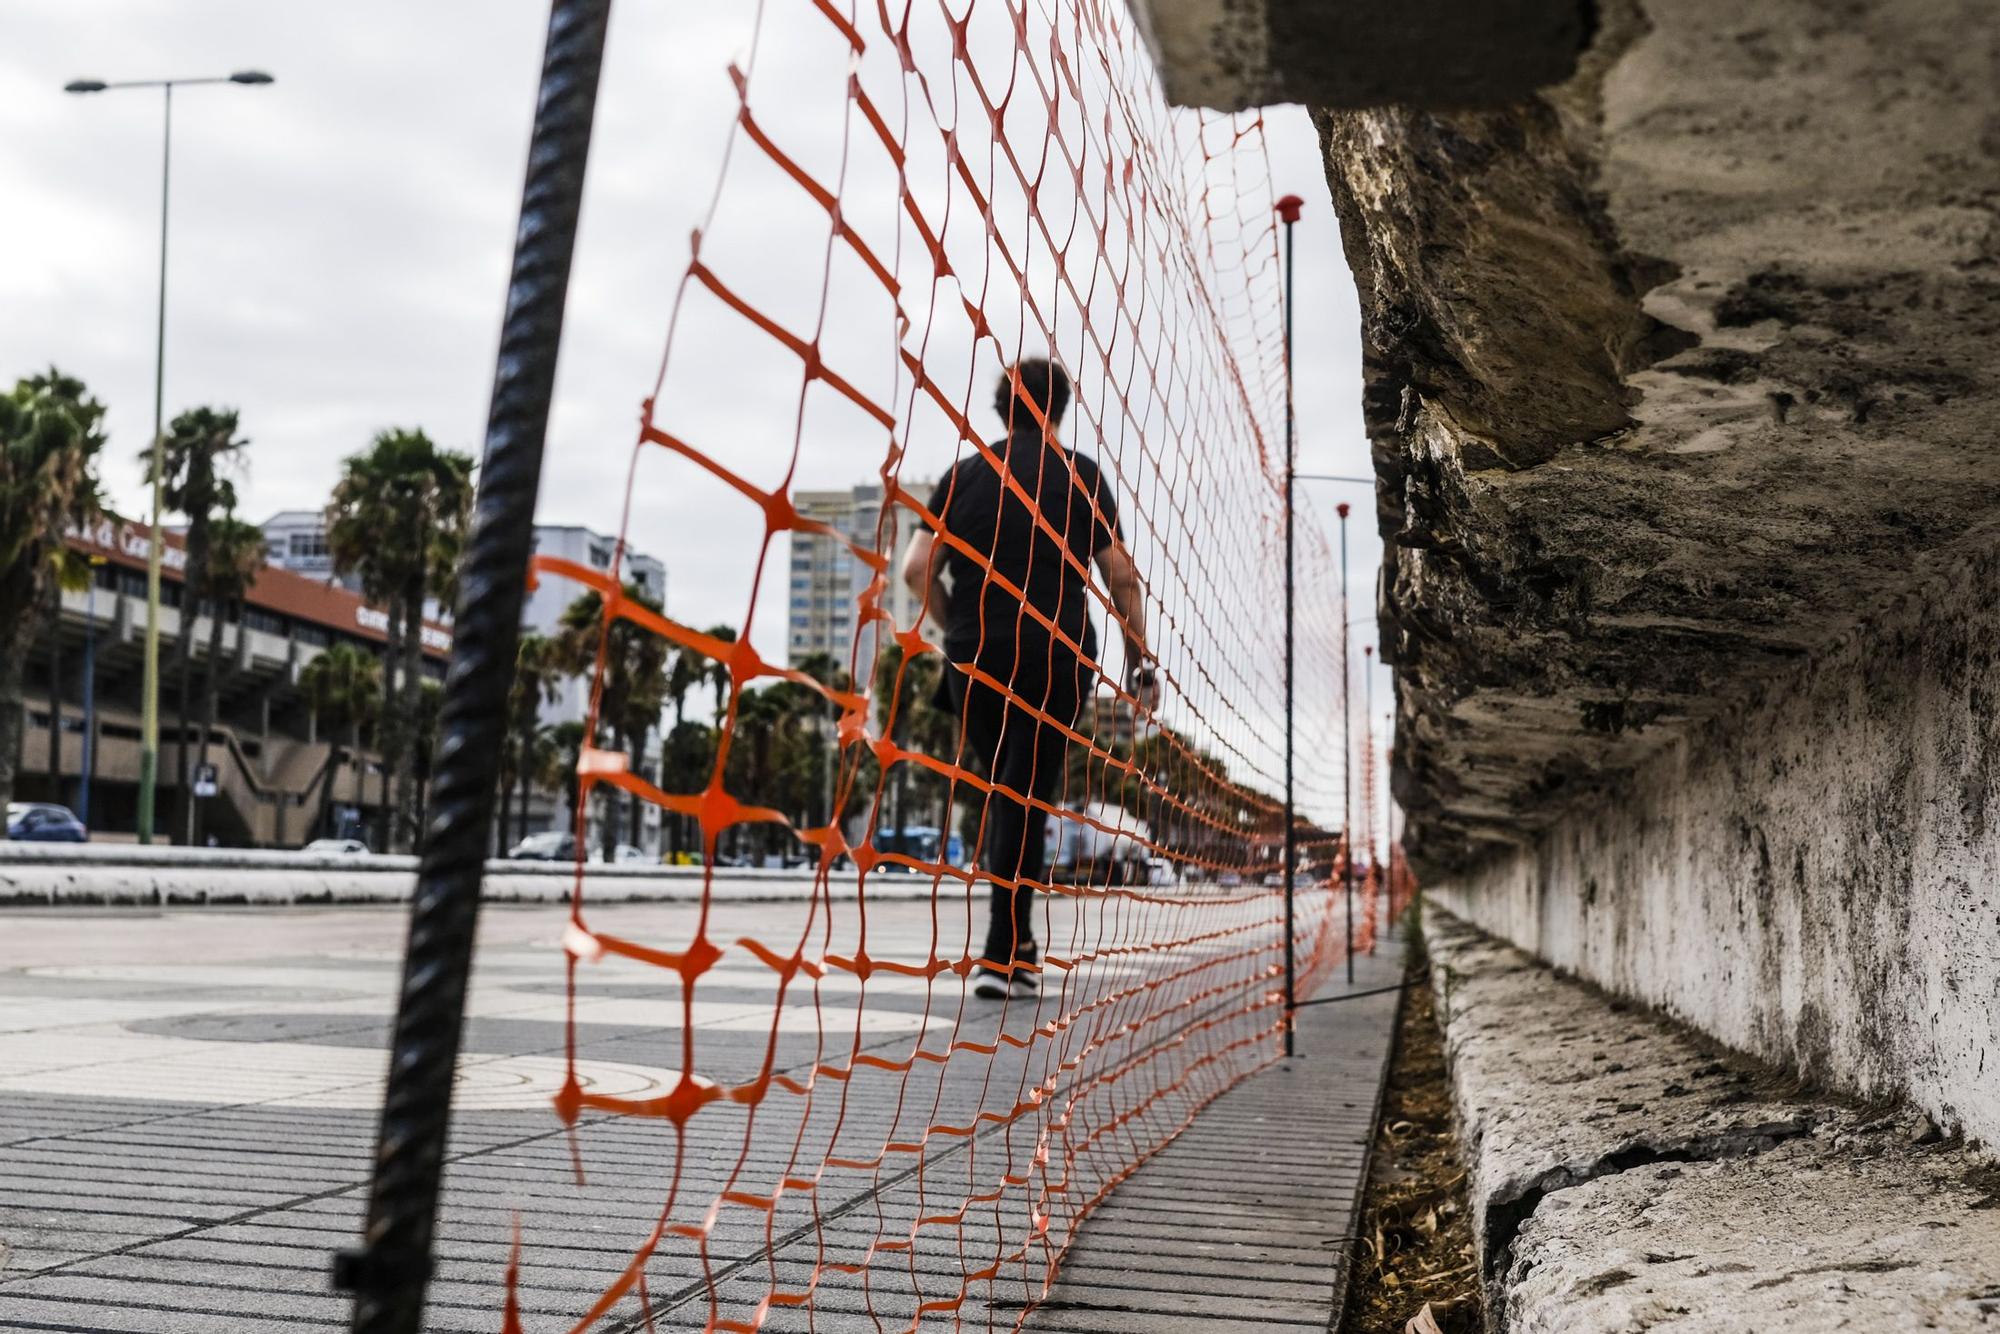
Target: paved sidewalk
1244 1222
188 1102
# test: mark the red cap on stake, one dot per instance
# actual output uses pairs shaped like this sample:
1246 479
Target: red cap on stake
1288 208
1341 509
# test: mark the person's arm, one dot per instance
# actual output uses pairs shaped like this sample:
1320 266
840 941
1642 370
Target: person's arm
923 575
1128 599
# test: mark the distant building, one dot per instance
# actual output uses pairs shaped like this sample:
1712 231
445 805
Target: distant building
544 608
542 614
827 581
280 779
295 540
1108 719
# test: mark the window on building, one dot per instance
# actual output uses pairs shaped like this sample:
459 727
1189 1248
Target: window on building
306 546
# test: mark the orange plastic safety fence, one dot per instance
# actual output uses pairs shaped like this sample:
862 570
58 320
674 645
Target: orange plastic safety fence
915 196
1402 880
1374 887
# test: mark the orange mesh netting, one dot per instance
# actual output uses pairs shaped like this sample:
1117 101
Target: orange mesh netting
916 195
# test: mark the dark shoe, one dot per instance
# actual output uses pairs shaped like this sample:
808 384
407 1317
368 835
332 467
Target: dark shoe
992 984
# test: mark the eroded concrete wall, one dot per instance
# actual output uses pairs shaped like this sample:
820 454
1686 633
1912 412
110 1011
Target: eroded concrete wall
1676 371
1813 877
1362 53
1624 1174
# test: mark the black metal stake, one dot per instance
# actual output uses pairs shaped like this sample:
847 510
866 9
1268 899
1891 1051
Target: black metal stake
1347 744
388 1275
1288 210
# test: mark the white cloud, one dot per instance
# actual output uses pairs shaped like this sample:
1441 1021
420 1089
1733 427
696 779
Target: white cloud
340 245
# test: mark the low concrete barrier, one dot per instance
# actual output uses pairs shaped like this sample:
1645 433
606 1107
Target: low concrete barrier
1626 1174
164 876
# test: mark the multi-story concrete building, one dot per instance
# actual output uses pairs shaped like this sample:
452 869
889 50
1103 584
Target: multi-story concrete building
271 755
295 540
542 614
823 611
280 779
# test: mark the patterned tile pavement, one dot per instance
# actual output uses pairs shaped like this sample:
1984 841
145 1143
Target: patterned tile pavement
187 1107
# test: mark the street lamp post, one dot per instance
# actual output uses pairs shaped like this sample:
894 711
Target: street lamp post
1347 624
149 703
89 696
1288 209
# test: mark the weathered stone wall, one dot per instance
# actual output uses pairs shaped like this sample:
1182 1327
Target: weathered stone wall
1676 370
1814 876
1624 1174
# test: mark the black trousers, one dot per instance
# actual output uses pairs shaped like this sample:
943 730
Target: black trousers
1026 755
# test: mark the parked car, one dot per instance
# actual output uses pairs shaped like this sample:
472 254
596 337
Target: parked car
44 822
627 855
921 842
341 847
1082 853
552 846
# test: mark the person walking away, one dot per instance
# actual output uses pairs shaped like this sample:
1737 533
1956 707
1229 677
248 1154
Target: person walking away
1027 641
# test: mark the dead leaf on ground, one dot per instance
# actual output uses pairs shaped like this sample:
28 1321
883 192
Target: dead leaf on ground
1423 1322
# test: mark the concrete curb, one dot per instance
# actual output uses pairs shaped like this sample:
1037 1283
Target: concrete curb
114 876
1624 1174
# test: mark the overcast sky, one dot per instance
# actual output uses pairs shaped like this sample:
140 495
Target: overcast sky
341 239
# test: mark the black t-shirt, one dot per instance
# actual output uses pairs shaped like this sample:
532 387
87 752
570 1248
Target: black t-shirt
983 620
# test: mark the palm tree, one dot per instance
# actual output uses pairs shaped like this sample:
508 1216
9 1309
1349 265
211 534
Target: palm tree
531 758
398 520
764 720
567 740
822 716
687 761
424 741
89 414
716 672
235 556
918 724
48 440
200 448
537 680
633 690
688 671
343 688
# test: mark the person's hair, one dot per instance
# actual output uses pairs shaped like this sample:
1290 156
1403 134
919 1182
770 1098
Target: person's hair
1040 382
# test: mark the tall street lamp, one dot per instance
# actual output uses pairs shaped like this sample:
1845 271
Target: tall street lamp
149 704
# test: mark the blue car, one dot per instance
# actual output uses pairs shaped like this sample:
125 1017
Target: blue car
40 822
